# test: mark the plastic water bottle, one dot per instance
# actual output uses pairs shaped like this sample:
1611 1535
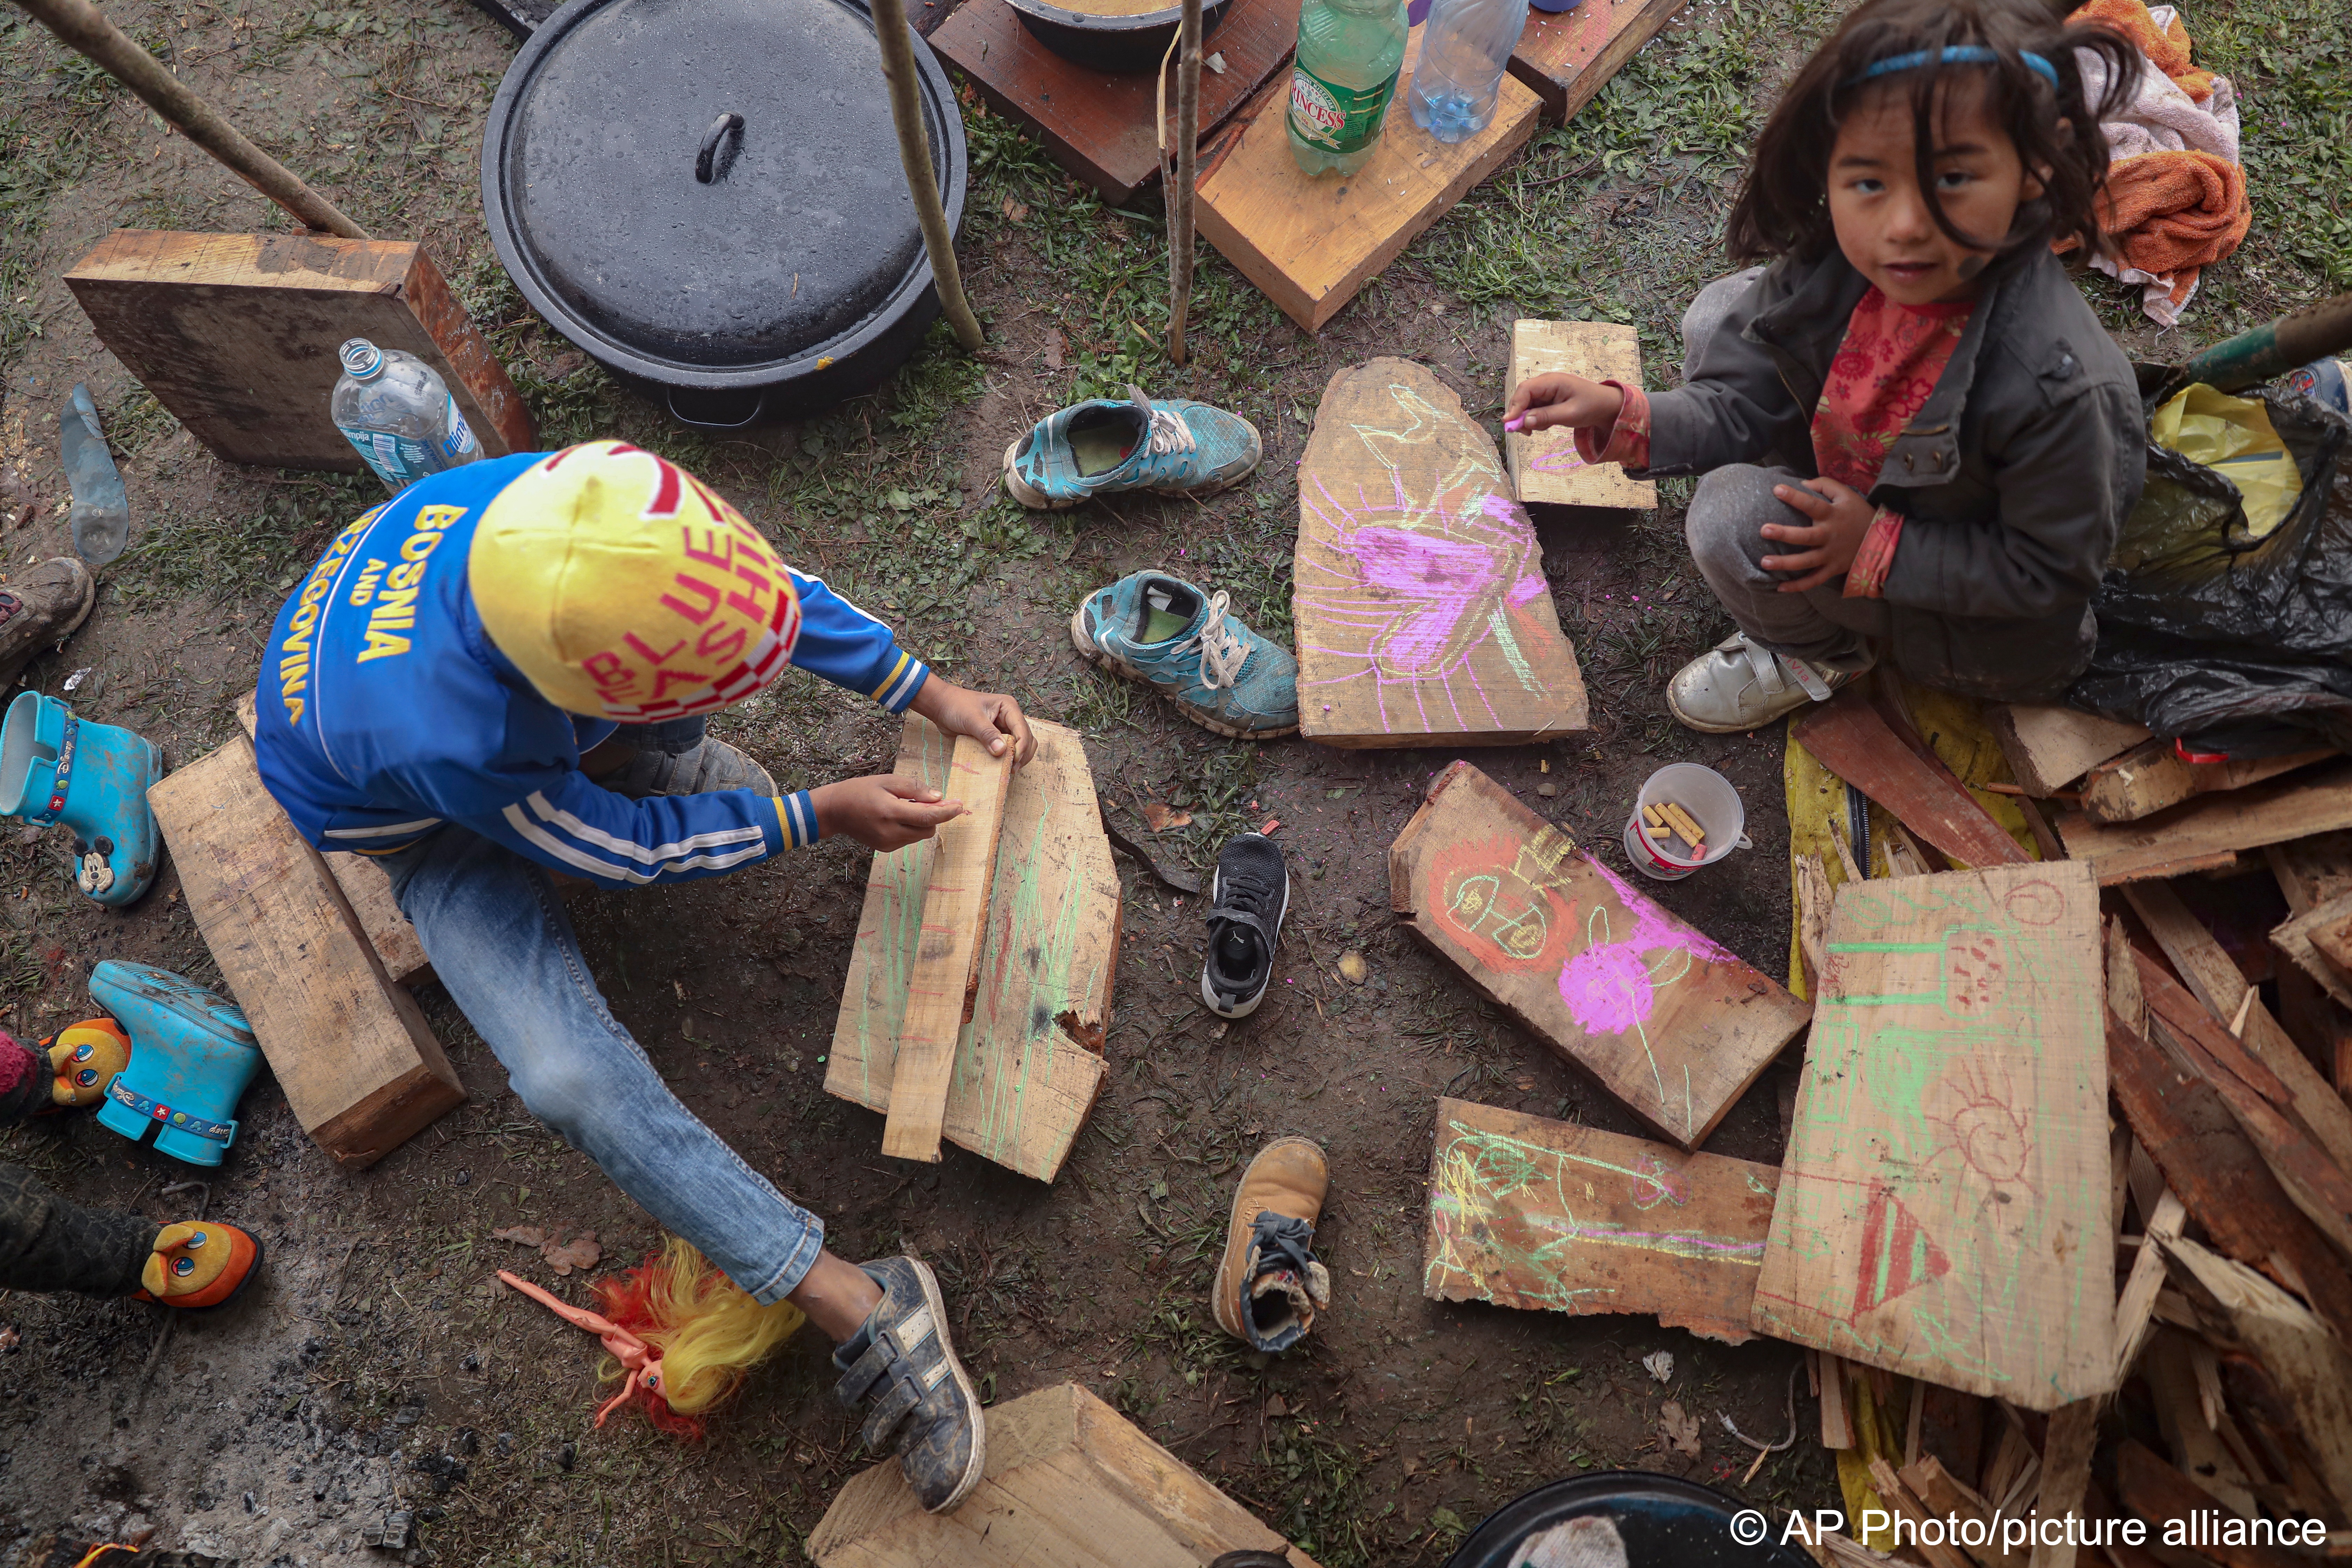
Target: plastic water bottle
100 519
1464 50
1349 52
394 409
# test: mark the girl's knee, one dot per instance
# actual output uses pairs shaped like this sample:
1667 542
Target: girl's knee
1729 510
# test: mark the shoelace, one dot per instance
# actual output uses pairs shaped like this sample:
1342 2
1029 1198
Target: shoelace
1167 429
1223 652
1242 892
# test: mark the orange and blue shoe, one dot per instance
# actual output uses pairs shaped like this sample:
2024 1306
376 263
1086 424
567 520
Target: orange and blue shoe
83 1060
198 1264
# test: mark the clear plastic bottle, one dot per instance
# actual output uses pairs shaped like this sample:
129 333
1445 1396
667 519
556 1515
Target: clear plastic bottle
1349 52
101 512
395 410
1464 50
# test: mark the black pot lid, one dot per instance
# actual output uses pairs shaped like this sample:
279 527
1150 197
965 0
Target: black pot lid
706 184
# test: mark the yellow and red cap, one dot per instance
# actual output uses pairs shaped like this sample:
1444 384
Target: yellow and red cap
622 588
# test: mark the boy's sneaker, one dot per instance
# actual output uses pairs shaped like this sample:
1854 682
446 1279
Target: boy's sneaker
42 608
901 1361
1166 633
1738 685
1247 900
1101 447
1269 1286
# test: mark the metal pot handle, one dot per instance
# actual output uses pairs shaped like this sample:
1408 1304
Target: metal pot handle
759 406
707 166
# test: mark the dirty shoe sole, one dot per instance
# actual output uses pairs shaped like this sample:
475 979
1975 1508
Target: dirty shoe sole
1095 654
979 1461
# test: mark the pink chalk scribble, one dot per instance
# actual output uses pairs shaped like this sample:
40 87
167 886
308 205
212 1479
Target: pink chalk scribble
1610 987
1563 459
1449 591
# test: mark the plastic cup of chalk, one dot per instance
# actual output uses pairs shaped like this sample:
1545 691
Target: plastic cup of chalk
1679 799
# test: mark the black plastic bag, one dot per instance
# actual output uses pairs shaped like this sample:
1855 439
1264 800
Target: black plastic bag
2234 647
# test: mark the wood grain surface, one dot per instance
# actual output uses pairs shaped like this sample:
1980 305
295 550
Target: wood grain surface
2049 748
1944 1204
1546 470
1569 56
1672 1023
2212 829
1526 1212
1853 741
1421 613
2150 777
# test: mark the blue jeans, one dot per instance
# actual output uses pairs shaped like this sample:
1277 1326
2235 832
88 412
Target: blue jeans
500 941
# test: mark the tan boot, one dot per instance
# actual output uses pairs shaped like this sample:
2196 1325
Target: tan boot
1269 1286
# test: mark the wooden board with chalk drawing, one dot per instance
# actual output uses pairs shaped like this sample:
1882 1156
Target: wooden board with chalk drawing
1944 1203
1310 243
1569 56
1545 467
1672 1023
1029 1064
1526 1212
1421 613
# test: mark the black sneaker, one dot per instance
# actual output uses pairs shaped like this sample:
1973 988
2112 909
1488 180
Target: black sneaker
1246 903
902 1361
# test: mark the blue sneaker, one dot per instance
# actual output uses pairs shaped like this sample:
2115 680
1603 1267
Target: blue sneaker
1103 447
1169 635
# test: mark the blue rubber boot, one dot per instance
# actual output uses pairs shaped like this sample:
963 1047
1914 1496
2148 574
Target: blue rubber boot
93 778
192 1054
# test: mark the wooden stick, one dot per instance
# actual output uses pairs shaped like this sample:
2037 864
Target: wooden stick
922 180
83 27
1177 184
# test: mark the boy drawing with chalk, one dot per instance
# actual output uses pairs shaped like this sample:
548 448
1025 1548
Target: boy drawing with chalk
502 673
1912 432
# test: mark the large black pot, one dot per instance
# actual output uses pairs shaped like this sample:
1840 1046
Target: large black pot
1663 1520
706 196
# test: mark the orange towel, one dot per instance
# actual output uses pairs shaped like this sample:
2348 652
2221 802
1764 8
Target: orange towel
2167 47
2175 212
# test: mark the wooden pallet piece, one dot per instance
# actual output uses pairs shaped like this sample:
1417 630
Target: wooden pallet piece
1546 467
1310 244
2207 834
1423 616
2049 748
2180 1413
2152 776
1673 1023
1948 1497
1096 124
2314 938
236 335
1069 1482
2311 872
1531 1213
2065 1476
359 1064
944 978
1029 1065
1945 1184
2219 1176
369 891
1853 741
2306 1363
1567 56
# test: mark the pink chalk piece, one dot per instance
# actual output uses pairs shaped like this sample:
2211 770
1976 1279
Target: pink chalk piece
1516 425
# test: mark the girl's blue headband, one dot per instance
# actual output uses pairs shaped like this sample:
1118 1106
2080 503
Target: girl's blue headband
1954 54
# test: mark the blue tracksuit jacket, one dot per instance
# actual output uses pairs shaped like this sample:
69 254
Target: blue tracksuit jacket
373 730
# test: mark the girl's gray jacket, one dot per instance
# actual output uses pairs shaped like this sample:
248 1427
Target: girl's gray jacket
2013 478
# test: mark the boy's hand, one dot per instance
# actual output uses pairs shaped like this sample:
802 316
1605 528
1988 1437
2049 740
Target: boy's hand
882 811
982 715
1556 397
1842 517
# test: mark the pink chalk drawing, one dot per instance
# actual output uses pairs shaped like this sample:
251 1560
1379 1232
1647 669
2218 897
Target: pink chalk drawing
1612 987
1407 588
1556 458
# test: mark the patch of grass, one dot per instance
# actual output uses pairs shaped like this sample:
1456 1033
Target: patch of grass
255 555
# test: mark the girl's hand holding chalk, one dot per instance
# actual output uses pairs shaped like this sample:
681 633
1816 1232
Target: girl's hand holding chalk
1557 398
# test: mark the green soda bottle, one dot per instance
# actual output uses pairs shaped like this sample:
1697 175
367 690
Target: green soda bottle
1349 52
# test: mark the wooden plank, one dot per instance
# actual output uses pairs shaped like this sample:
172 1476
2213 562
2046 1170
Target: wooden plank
2164 1496
1526 1212
1096 124
2207 1158
369 892
1310 244
1422 611
1852 740
1067 1483
2196 1447
1669 1021
1837 1402
1029 1065
2210 830
942 982
1948 1497
2135 1308
1943 1207
2312 870
236 335
2311 937
2152 776
2050 748
2306 1363
1935 1545
360 1066
1567 56
1546 468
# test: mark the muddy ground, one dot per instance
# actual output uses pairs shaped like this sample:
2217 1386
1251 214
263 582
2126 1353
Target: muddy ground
380 1366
